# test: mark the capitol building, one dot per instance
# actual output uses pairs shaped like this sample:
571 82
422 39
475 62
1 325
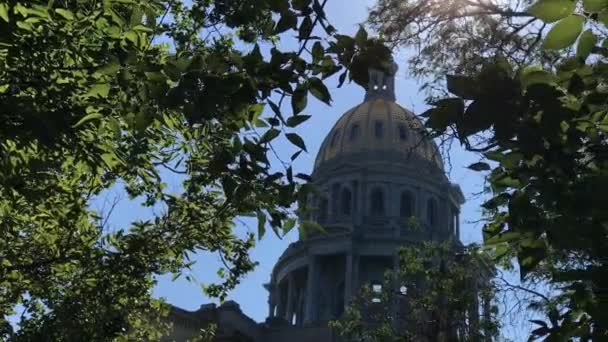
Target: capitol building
375 169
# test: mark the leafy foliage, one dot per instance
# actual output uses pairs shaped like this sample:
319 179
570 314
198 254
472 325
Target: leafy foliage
92 99
546 132
457 37
435 288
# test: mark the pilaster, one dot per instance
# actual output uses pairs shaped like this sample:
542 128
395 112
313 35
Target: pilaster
312 289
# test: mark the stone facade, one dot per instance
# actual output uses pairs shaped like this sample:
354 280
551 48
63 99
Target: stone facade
375 170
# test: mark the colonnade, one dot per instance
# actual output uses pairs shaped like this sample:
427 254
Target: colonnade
297 299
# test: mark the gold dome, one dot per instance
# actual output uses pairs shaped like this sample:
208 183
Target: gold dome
379 127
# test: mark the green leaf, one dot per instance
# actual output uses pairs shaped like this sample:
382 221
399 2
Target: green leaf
110 69
463 86
586 44
296 155
534 75
288 225
288 21
602 17
132 36
508 182
564 33
299 99
319 90
87 118
305 28
99 90
24 26
67 14
306 227
4 12
115 127
317 51
552 10
296 140
270 135
155 76
296 120
529 258
361 36
595 5
479 167
261 225
142 28
109 159
4 88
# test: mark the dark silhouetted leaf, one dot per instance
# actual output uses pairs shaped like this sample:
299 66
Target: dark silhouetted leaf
296 120
480 167
319 90
270 135
296 140
462 86
299 99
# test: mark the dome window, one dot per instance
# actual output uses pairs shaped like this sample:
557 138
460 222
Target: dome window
346 202
406 208
377 202
335 138
431 211
378 129
354 131
402 133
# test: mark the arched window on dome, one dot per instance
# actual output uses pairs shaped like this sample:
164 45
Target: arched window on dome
407 205
346 202
355 130
377 202
402 132
431 211
378 129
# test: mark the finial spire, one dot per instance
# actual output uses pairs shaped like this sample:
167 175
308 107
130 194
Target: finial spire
381 83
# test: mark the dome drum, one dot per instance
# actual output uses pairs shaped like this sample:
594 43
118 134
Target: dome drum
380 185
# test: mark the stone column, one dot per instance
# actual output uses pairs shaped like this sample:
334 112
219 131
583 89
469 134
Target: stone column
444 219
300 307
312 289
280 301
355 275
290 298
395 288
348 279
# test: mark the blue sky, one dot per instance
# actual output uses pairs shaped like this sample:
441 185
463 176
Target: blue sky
250 294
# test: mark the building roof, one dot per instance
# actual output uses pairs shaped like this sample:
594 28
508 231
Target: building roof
379 126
